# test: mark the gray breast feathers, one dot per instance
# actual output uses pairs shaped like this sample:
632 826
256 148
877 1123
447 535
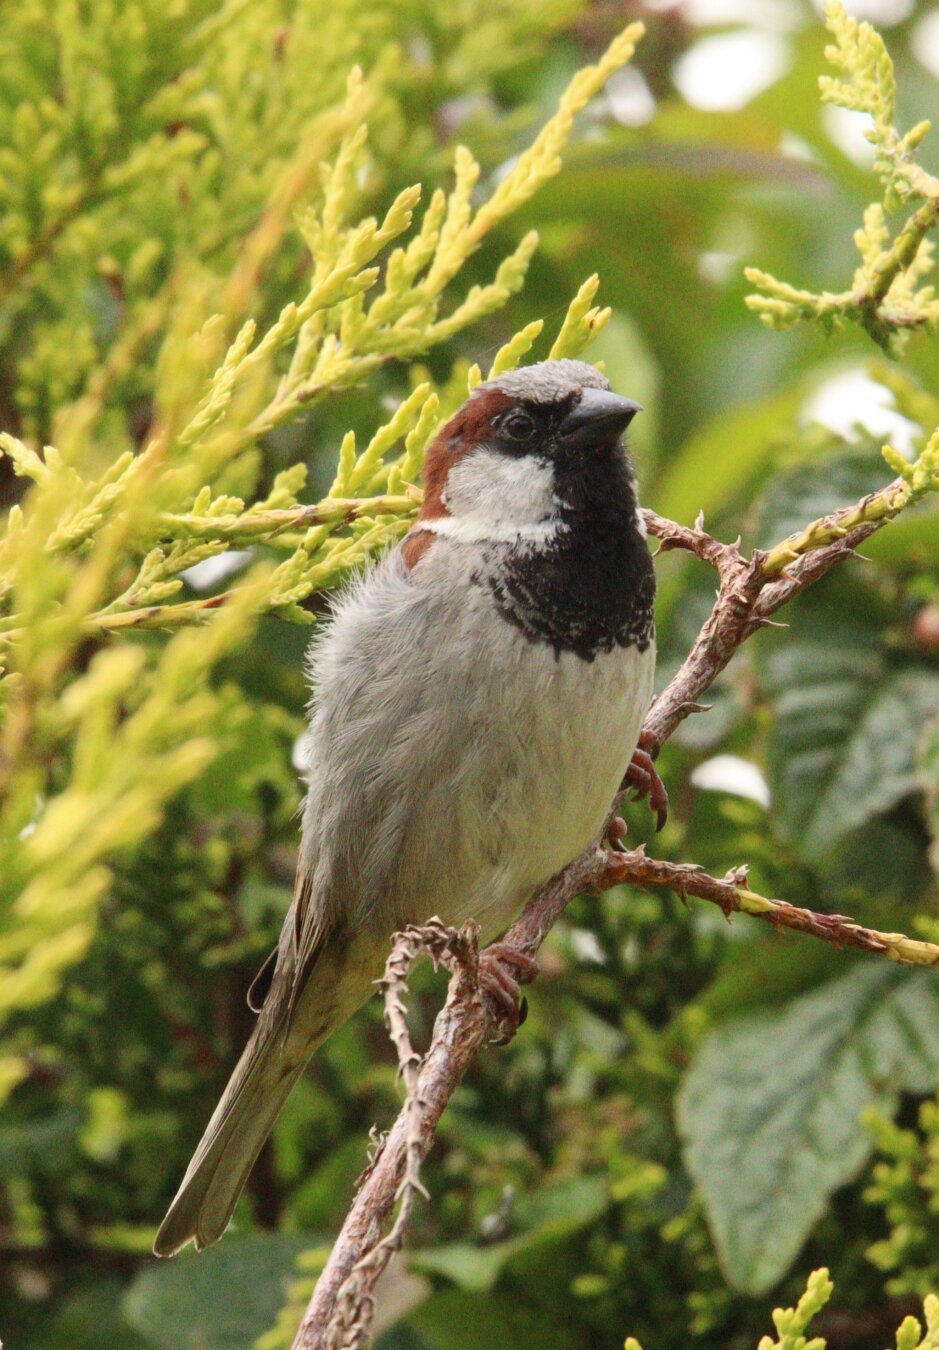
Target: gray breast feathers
453 764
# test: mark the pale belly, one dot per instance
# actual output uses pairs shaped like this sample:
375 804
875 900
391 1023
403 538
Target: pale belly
461 786
558 777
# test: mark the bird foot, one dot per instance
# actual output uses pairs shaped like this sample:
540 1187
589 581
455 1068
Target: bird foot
502 971
643 777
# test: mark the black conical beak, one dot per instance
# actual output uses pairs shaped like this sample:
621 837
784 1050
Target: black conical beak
599 416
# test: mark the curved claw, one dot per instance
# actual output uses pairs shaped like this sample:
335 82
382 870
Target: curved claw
502 970
643 777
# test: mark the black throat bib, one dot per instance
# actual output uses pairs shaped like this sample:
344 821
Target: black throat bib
591 587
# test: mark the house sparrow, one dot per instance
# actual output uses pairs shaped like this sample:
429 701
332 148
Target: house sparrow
478 699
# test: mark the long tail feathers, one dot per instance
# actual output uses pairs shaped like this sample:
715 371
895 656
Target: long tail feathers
285 1037
232 1141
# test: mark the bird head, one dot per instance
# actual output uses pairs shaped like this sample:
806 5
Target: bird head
524 446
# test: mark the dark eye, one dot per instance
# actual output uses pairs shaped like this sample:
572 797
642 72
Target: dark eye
518 426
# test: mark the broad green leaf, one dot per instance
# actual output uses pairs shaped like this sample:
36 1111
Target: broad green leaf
795 497
928 767
471 1268
221 1300
457 1321
323 1197
572 1204
760 973
550 1216
877 868
846 723
872 767
912 540
769 1113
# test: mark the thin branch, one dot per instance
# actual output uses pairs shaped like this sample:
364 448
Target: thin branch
458 951
340 1313
751 590
725 558
732 893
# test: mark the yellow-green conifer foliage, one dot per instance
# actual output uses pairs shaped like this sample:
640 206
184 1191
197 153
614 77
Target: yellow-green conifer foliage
887 296
169 169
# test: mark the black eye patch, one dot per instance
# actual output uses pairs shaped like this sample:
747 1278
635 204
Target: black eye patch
529 428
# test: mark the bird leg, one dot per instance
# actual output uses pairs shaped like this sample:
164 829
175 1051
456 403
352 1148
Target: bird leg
643 777
502 970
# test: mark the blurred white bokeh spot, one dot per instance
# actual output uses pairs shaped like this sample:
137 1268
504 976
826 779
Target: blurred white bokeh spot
299 756
724 72
851 399
629 97
587 947
208 573
846 129
778 14
925 42
884 12
794 147
730 773
717 266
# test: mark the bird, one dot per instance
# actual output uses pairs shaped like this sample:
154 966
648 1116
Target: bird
477 701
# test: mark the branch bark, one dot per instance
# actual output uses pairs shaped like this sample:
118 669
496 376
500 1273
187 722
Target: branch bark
751 590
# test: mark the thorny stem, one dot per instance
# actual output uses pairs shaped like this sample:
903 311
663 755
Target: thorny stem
751 590
875 508
341 1310
340 1313
732 893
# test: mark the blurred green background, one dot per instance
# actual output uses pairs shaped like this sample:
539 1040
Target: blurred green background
687 1123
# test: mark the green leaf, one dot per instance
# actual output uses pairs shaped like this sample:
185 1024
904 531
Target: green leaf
769 1113
323 1197
928 771
795 496
846 724
221 1300
473 1269
802 494
912 540
760 973
877 868
457 1321
550 1216
565 1206
87 1318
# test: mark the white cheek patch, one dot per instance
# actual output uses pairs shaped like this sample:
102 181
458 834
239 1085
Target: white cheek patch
475 532
491 496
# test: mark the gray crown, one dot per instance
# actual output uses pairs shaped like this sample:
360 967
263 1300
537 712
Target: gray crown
548 381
